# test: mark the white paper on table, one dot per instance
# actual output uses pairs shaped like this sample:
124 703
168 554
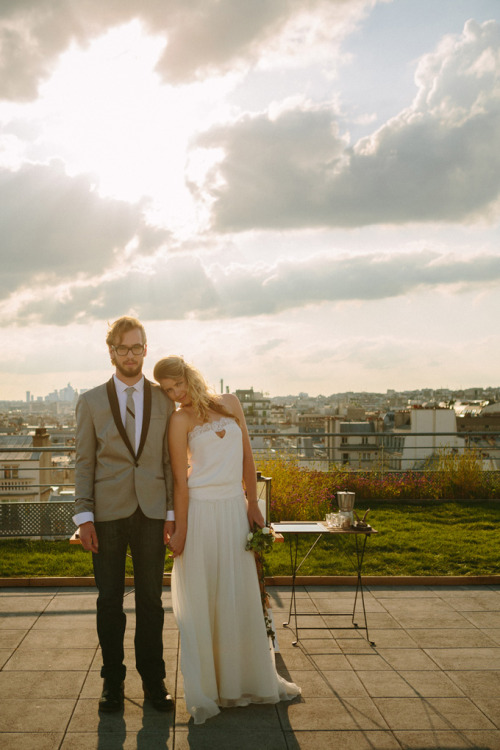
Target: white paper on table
299 527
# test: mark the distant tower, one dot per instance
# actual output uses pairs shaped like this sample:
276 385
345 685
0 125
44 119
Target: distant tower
28 397
221 385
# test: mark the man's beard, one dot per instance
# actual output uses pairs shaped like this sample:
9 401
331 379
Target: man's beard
129 372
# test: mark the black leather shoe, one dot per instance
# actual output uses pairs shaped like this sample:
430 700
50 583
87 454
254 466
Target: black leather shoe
112 696
158 695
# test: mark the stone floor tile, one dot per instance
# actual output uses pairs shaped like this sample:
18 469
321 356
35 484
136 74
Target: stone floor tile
330 661
206 737
21 604
41 684
119 741
431 684
60 638
136 715
39 715
345 684
402 592
432 713
406 658
25 659
477 683
367 662
344 604
70 603
312 683
15 621
385 684
320 645
475 601
63 621
450 638
441 620
331 713
294 658
235 721
484 619
34 741
455 740
490 706
10 639
391 638
493 633
343 740
465 658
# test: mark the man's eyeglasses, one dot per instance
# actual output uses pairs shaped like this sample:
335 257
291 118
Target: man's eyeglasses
123 350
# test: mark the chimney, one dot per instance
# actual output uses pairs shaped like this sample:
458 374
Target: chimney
41 438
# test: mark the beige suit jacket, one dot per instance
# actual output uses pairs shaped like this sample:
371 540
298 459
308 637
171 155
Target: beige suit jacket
110 480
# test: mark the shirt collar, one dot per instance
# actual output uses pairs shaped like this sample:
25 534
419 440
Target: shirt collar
121 386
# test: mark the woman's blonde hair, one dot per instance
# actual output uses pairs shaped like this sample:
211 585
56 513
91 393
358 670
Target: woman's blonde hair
203 399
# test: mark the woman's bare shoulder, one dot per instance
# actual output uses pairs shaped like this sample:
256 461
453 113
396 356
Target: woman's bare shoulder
229 400
181 420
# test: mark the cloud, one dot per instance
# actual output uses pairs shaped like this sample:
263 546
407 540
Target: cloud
204 36
57 227
180 287
438 160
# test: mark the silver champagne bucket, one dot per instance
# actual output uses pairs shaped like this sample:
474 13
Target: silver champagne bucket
345 501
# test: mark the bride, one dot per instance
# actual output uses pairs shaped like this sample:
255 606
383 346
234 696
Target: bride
226 657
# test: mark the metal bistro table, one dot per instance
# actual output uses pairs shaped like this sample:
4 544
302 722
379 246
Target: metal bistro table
293 529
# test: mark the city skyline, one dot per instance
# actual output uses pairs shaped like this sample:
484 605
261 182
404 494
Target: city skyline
51 396
294 195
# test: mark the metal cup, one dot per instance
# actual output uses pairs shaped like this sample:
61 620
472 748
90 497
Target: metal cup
345 500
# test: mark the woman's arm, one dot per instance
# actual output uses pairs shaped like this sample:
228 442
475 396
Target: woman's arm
177 445
254 515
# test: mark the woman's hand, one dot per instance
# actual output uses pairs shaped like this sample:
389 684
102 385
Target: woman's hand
255 517
176 543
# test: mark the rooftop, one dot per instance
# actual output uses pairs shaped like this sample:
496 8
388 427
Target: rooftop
431 681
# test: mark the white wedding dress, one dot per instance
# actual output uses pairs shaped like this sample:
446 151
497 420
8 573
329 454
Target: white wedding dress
226 656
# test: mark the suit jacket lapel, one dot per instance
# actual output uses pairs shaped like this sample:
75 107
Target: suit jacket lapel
146 416
115 410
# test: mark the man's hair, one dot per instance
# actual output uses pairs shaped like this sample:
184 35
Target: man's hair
121 326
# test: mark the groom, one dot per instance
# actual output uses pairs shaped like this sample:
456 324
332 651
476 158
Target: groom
123 496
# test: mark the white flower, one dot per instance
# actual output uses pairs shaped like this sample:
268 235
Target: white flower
250 537
266 530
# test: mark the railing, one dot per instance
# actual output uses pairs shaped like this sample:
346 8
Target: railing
53 486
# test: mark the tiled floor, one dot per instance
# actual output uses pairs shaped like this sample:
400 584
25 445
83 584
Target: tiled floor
432 680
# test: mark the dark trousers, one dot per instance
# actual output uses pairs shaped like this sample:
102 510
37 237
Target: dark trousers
145 537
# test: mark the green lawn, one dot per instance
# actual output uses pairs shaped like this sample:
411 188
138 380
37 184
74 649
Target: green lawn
448 538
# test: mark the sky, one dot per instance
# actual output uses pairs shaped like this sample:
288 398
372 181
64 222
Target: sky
294 195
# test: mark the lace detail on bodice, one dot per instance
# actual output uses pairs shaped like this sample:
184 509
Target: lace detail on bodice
216 426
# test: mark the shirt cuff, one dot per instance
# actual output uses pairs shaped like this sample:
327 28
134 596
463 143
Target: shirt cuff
170 515
83 517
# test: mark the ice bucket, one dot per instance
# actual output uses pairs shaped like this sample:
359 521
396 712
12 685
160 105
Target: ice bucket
345 500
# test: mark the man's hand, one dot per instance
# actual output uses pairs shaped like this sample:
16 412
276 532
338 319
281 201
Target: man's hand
168 531
88 537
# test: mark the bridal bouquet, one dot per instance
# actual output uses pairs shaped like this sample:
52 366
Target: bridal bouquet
260 541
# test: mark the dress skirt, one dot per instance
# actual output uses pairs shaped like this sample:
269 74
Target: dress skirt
227 658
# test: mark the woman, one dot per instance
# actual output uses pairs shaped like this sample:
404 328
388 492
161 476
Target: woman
226 659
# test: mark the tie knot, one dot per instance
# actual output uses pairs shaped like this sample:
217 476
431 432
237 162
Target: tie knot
130 390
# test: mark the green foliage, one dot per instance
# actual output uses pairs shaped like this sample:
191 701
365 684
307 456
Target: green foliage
299 494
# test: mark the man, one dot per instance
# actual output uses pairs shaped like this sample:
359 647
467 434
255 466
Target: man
123 496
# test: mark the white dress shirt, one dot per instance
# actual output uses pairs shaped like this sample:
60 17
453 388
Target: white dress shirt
138 397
